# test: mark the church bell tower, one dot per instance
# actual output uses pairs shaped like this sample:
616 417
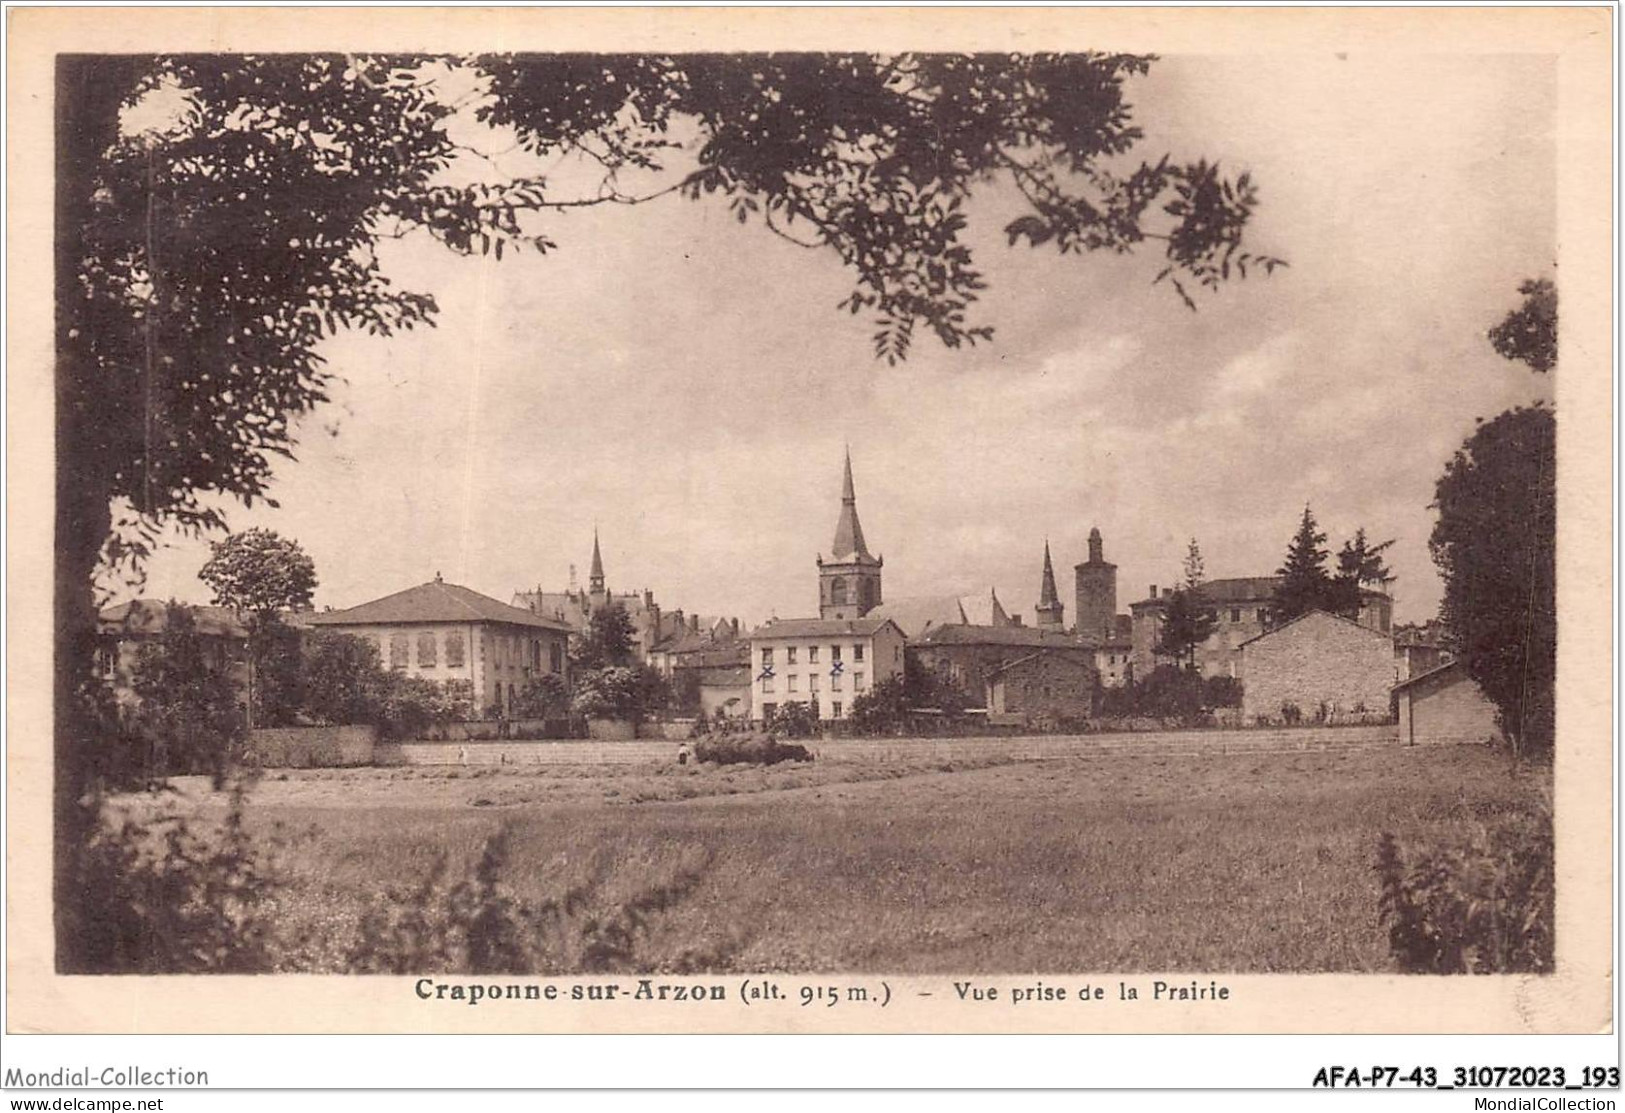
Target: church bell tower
849 582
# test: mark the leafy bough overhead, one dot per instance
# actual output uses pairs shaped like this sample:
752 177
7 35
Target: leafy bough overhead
219 251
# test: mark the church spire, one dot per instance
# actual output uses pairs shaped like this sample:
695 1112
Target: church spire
595 578
1047 595
1051 612
849 542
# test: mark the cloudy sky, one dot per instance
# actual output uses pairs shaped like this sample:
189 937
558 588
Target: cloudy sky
686 385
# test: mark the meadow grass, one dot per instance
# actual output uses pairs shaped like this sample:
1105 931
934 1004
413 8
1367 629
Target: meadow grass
1236 863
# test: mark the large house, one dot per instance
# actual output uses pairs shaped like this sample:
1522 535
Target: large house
458 637
1243 609
825 662
122 630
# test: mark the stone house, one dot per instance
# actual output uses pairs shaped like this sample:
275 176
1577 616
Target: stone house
123 629
1243 608
1048 684
457 637
966 658
1323 666
826 662
1444 705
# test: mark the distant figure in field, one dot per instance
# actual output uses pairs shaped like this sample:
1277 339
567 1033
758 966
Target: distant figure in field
682 754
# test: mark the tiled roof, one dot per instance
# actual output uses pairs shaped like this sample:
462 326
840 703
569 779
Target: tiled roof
821 627
1311 614
436 601
1024 658
998 635
151 616
1433 674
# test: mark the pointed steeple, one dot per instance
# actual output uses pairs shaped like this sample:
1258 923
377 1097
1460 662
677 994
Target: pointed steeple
849 544
595 577
1051 612
1047 595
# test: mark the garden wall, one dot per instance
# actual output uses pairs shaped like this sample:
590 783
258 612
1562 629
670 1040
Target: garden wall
312 747
1173 743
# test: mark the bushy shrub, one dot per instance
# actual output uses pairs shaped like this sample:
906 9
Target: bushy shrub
1482 907
619 692
408 706
167 900
543 697
792 720
735 749
187 717
478 926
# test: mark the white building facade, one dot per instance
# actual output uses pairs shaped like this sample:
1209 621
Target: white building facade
823 662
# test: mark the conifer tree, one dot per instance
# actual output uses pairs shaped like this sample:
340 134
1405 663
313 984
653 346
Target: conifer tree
1305 586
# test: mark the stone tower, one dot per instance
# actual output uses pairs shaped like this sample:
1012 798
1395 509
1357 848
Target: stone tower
1050 608
1096 594
849 582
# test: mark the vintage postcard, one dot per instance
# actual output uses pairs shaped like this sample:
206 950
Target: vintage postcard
761 521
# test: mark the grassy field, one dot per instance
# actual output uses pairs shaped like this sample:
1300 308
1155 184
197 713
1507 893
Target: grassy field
1111 863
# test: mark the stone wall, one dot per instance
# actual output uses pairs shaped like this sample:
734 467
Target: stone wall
1021 747
1314 661
312 747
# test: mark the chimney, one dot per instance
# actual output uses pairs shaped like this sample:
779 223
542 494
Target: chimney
648 598
734 624
693 624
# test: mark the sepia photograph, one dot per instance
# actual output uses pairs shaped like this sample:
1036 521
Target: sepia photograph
836 525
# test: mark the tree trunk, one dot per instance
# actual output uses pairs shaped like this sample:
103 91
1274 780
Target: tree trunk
89 93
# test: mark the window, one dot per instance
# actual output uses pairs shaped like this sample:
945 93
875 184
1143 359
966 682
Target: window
812 682
1235 614
454 649
1114 658
768 709
835 682
857 682
790 684
767 683
835 710
857 652
834 653
789 654
1262 614
812 654
767 658
896 653
400 648
837 592
427 657
555 657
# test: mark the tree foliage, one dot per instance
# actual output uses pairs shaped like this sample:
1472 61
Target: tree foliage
608 641
258 573
1495 541
1186 624
1529 333
1495 547
188 718
1195 568
1305 583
